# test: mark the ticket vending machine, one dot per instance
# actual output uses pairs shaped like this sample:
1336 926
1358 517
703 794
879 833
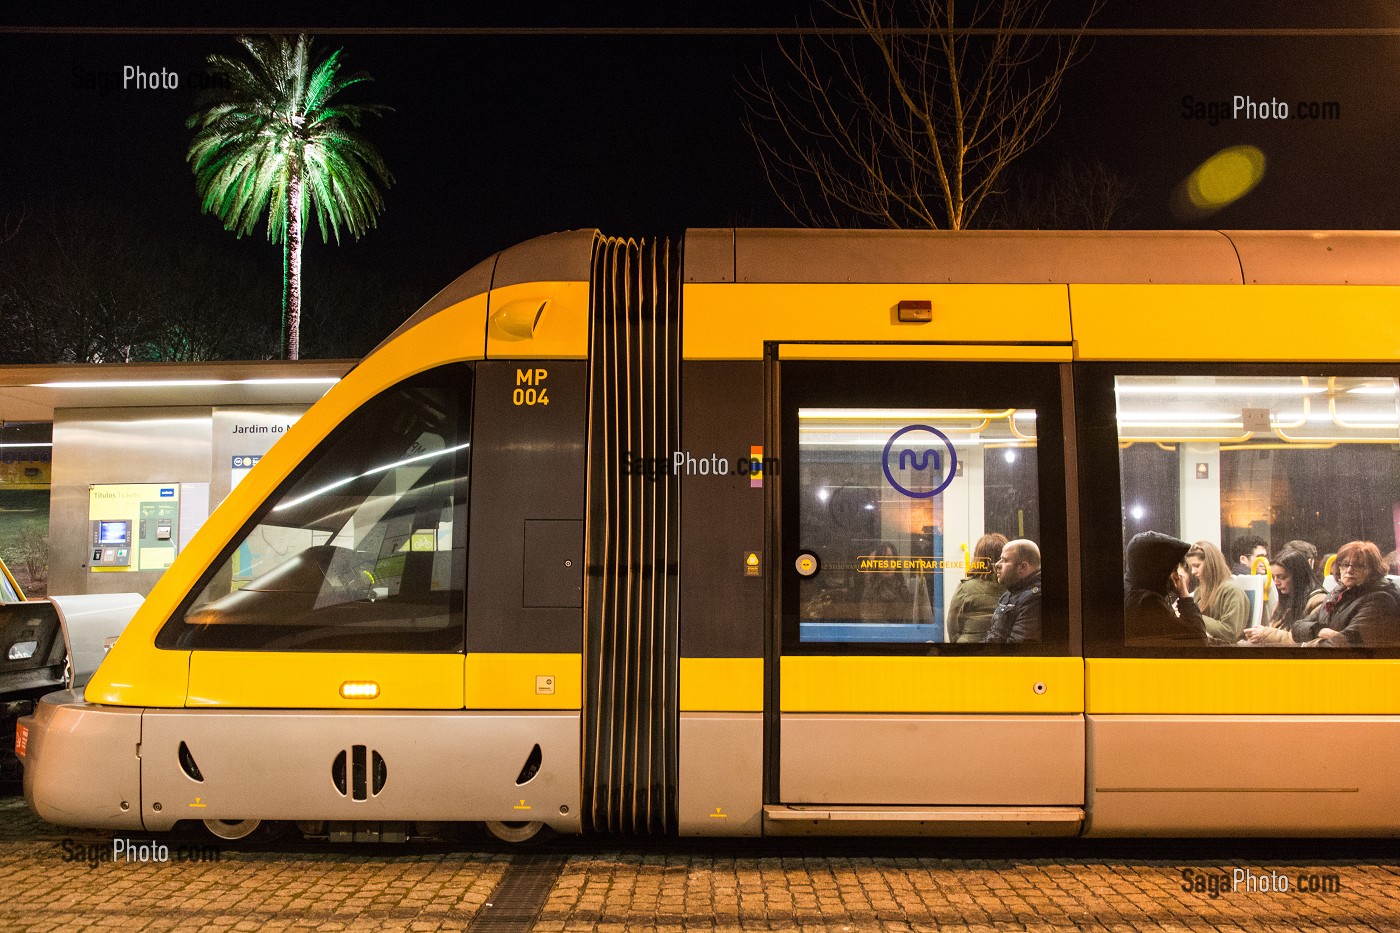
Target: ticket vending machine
111 543
134 526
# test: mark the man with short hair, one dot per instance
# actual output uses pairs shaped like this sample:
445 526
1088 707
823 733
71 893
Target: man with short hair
1016 619
1247 548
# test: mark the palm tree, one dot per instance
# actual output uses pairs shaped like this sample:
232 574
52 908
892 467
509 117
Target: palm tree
270 137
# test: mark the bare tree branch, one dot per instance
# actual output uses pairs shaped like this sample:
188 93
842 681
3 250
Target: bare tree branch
1079 194
908 127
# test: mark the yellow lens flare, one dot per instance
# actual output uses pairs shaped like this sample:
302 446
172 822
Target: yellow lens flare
1219 181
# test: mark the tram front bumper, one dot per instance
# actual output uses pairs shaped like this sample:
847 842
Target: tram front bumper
82 764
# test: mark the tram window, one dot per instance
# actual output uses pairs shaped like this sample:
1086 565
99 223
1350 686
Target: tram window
1265 477
893 503
364 549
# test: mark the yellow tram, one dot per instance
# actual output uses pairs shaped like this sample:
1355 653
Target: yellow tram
644 537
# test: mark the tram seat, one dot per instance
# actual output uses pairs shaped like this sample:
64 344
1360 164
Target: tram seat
1253 586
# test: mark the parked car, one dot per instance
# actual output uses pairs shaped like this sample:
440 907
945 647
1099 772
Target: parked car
50 644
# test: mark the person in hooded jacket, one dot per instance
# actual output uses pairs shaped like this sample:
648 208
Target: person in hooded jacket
1158 610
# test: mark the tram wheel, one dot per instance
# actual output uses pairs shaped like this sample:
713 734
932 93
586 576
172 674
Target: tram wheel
232 829
515 831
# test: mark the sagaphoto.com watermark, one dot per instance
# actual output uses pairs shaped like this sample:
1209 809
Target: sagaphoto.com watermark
123 851
753 467
103 81
1217 882
1246 107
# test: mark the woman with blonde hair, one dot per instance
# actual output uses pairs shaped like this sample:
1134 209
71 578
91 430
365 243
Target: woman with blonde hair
1224 605
970 611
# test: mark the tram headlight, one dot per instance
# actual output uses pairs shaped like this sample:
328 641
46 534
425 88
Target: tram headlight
359 690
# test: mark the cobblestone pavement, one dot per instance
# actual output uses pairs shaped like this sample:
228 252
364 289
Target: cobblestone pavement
827 892
56 879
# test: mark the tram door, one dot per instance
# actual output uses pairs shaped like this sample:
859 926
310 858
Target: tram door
926 673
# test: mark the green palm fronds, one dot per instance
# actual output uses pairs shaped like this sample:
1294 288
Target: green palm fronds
272 126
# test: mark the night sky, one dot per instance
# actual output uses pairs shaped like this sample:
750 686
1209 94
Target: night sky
494 139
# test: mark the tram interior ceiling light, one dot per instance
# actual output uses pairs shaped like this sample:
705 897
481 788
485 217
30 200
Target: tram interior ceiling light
893 415
1128 385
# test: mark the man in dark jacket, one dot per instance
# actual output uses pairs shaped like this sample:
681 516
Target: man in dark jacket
1248 549
1016 619
1155 581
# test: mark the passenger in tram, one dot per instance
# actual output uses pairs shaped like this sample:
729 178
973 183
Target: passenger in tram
976 598
1392 563
1248 547
1298 590
1308 550
885 596
1364 612
1223 604
1158 610
1016 619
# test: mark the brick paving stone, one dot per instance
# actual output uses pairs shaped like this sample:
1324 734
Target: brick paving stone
684 887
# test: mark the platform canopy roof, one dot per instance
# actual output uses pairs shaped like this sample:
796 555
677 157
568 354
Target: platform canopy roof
33 392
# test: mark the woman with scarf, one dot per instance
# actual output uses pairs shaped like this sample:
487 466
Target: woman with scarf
1364 612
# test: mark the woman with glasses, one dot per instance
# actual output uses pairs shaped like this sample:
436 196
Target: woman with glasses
1364 612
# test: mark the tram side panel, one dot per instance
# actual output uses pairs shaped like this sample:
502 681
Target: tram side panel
1236 738
724 572
525 578
503 743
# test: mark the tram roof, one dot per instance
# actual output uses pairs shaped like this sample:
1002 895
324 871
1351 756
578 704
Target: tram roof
995 257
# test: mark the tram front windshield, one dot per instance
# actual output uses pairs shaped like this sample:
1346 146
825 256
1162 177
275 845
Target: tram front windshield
363 550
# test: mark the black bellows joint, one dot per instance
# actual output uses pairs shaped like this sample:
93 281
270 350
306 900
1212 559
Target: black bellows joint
632 598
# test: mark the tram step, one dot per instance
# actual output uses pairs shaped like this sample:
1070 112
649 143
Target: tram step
818 820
